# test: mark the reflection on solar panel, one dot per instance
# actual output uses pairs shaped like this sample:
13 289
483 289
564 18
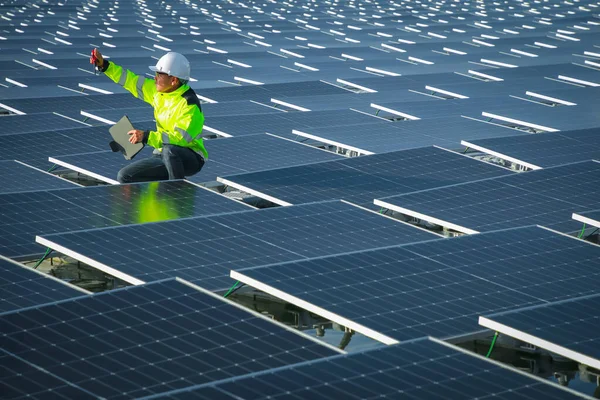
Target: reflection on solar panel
570 328
144 340
361 179
24 215
204 250
546 197
591 218
227 156
19 177
436 288
541 151
22 287
422 369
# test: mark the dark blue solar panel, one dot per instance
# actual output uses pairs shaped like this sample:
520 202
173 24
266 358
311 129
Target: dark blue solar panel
581 116
436 288
362 179
25 215
226 156
70 103
282 124
18 177
384 137
12 124
69 141
423 369
545 150
33 382
204 250
144 340
22 287
546 197
562 328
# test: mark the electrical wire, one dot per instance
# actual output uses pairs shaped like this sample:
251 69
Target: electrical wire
492 345
582 231
48 251
233 288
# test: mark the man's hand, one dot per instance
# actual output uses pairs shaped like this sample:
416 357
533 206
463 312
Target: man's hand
97 58
136 136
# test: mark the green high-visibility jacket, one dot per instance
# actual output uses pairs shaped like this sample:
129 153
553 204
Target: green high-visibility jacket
178 114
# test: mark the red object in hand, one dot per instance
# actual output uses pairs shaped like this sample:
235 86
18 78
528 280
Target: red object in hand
94 61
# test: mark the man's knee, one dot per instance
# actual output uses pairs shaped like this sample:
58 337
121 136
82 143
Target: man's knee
123 177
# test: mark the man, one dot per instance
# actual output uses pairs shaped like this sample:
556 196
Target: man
179 148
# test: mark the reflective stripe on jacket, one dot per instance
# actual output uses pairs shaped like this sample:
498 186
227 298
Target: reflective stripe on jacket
178 114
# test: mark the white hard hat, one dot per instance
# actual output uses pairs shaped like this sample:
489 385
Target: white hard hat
173 64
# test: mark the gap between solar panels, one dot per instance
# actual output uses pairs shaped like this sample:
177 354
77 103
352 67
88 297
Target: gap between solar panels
516 161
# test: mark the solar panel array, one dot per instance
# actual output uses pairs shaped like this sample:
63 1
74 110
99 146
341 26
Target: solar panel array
204 250
306 103
547 197
361 179
27 214
541 151
142 340
436 288
419 369
570 328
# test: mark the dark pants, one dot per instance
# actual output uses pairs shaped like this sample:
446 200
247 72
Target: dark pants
175 162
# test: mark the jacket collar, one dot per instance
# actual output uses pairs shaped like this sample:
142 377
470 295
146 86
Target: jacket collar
180 90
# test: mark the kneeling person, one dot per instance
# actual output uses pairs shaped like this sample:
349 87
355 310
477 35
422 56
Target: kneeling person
177 139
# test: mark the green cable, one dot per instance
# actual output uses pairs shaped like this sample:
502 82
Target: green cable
466 149
48 251
231 289
381 211
582 231
492 345
52 168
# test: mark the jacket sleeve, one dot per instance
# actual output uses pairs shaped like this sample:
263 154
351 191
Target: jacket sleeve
142 88
188 127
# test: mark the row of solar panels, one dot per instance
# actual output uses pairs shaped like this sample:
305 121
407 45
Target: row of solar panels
174 339
393 293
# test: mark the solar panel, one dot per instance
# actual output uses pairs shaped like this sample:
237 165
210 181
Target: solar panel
19 177
591 218
144 340
361 179
24 215
227 156
11 124
22 287
547 118
384 137
62 142
570 328
546 150
70 103
204 250
422 369
545 197
436 288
